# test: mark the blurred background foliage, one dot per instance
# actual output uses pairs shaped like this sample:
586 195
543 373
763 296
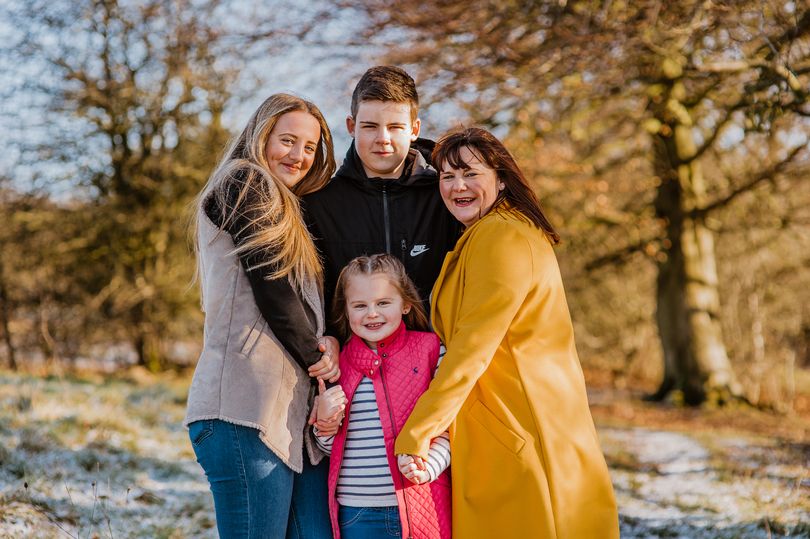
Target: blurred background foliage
668 141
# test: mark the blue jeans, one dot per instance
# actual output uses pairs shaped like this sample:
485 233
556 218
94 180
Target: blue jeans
255 494
369 522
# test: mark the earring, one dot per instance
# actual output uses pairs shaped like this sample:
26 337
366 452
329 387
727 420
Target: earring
501 186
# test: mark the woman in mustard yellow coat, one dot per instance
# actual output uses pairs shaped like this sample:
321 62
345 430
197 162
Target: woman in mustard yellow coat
526 459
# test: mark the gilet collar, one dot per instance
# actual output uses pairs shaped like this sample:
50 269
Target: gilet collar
363 358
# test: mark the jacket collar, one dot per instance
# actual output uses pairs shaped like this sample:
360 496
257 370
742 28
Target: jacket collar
363 358
417 170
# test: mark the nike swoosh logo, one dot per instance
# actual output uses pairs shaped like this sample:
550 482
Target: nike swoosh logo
419 249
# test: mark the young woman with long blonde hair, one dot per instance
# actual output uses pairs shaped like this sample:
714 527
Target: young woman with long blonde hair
260 279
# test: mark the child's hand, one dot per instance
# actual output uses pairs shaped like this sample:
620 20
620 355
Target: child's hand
330 406
331 401
413 467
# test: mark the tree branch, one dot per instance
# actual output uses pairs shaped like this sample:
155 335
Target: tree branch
729 113
760 177
619 256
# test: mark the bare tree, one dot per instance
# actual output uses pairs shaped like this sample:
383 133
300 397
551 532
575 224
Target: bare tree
125 101
680 85
6 306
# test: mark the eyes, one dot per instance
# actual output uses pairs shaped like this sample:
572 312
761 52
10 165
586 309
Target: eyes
392 127
451 176
361 305
290 141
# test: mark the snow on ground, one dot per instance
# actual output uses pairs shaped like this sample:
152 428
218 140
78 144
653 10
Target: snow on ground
98 460
109 458
704 486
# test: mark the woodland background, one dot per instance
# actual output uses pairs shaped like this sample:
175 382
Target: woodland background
668 141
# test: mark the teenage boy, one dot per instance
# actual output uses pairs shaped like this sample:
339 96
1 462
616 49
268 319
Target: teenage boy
385 197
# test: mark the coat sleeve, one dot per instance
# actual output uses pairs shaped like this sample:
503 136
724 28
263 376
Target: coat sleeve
497 276
277 300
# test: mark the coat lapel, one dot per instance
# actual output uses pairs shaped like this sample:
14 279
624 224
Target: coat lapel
449 260
312 297
450 279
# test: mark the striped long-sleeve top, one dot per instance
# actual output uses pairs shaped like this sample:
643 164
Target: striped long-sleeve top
365 477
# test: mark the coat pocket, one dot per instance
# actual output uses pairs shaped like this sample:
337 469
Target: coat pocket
506 436
253 335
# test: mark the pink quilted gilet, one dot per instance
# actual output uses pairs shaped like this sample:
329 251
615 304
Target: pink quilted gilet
400 371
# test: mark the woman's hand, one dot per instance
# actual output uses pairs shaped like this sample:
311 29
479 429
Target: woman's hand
413 467
328 367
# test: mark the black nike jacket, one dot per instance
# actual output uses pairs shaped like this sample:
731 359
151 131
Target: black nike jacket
355 215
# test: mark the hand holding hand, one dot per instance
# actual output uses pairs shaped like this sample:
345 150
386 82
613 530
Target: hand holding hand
331 401
414 468
328 409
328 367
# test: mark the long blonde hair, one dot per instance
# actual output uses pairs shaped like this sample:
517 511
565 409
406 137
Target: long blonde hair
415 319
280 230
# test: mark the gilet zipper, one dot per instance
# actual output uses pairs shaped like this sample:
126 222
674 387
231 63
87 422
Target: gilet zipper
396 474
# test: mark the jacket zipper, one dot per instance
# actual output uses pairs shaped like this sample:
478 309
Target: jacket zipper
396 474
386 220
404 249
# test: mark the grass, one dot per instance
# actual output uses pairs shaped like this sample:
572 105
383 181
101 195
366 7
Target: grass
87 456
90 456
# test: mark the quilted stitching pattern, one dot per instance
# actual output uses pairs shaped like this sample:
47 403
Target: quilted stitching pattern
404 370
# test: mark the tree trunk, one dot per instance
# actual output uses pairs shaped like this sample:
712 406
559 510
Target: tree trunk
47 344
695 359
672 311
148 346
5 322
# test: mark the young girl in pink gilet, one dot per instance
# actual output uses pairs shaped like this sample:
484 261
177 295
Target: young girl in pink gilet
387 362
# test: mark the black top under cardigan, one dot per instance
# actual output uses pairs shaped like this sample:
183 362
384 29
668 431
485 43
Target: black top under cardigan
289 317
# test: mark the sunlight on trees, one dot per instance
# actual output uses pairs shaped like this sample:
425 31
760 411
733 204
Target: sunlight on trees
652 128
131 98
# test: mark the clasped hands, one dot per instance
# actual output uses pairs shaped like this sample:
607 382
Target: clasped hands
327 368
414 468
328 409
329 405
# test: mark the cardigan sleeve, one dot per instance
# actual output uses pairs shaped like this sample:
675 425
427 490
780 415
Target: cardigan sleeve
277 300
497 276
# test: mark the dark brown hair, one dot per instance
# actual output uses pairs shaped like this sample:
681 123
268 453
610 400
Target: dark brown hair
415 319
386 83
491 151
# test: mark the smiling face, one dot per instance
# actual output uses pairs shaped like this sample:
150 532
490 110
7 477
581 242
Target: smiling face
374 307
292 145
383 132
469 192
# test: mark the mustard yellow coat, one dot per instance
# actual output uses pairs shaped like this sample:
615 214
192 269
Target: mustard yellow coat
526 461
